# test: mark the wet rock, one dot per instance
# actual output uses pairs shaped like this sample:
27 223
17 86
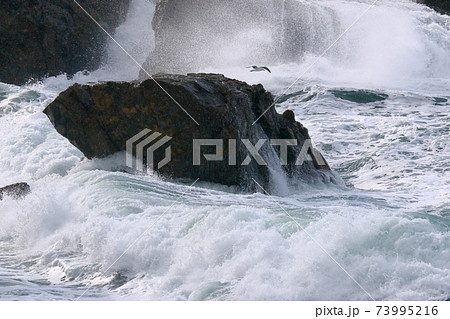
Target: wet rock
99 119
289 115
49 37
441 6
16 191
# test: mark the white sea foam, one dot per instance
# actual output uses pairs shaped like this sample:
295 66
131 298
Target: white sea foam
388 228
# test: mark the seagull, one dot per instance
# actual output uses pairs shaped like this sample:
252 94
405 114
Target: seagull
255 68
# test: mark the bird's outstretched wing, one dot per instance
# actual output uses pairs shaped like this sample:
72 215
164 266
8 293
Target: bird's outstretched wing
267 69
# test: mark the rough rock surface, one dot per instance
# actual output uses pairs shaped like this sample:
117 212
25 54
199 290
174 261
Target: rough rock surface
50 37
100 118
15 191
193 34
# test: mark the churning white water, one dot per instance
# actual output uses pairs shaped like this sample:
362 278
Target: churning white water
376 105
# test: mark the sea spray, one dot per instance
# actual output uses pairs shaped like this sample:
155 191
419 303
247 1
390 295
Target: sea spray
389 228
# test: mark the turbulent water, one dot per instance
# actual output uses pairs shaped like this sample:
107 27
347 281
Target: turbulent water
377 106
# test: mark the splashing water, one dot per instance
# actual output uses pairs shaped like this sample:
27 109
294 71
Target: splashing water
377 108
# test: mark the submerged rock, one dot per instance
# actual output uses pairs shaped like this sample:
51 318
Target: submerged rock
15 191
99 119
49 37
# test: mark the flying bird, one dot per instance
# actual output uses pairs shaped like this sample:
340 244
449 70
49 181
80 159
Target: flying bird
255 68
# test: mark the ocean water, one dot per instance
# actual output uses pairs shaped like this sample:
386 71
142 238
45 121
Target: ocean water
377 106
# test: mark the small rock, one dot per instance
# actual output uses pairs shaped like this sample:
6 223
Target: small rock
16 191
289 115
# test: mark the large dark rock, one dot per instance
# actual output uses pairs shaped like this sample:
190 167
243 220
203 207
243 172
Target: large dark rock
50 37
15 191
191 35
442 6
100 118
